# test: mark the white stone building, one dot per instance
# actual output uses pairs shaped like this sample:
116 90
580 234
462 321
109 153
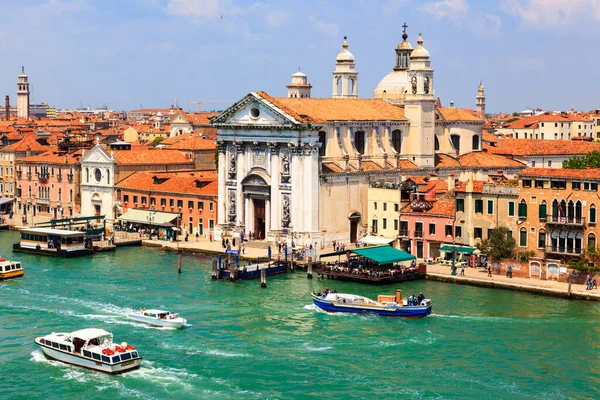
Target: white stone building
97 183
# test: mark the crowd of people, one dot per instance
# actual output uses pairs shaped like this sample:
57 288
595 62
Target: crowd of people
416 300
355 267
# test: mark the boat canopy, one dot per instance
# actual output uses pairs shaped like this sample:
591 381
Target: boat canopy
50 231
145 216
379 254
90 333
459 249
375 240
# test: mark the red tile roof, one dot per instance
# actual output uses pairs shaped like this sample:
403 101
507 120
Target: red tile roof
145 157
530 147
457 114
484 159
55 157
195 182
441 207
371 166
28 143
332 168
589 173
445 161
438 185
419 180
191 142
477 186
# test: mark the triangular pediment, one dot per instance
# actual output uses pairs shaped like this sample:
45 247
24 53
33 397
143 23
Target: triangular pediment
253 110
179 119
97 155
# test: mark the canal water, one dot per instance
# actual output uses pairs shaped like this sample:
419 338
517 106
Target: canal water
245 342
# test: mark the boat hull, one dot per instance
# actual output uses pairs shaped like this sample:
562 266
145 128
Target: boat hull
164 323
11 274
406 312
80 361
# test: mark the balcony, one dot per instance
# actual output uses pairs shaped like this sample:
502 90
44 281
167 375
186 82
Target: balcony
565 250
19 174
403 233
571 221
418 234
70 177
29 175
421 205
59 178
43 201
43 177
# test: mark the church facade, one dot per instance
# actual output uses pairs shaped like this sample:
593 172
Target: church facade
298 168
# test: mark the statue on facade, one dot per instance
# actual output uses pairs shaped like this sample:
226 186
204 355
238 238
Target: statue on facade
232 159
285 220
232 205
285 167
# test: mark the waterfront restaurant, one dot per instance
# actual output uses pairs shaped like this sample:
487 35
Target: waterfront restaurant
377 264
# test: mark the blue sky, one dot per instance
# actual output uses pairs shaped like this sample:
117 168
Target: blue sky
127 53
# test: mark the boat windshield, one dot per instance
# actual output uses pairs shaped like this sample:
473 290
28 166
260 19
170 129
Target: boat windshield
99 340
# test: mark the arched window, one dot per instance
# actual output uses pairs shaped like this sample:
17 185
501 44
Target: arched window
523 209
555 210
578 212
592 218
455 142
543 210
591 242
475 142
108 176
437 143
87 175
523 237
59 194
571 210
397 140
339 86
71 195
350 86
323 143
359 141
541 239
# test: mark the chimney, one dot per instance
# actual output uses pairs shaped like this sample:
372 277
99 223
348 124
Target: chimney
469 186
7 108
450 181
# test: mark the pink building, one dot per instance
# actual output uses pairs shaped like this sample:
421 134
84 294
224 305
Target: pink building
427 222
48 184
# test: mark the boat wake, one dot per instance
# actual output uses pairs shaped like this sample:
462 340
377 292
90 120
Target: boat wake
196 351
310 348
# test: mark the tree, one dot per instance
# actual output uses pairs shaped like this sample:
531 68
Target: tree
591 159
499 245
157 140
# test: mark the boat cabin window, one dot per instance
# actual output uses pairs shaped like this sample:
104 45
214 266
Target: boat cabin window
106 359
116 359
125 356
43 341
87 354
94 342
78 344
134 354
147 314
55 345
64 347
162 316
96 356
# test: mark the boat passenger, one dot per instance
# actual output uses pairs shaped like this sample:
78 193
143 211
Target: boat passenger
410 300
420 298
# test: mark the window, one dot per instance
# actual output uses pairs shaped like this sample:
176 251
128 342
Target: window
396 207
322 143
106 359
418 229
87 354
455 142
477 233
384 223
489 232
432 229
591 186
541 239
200 205
211 224
575 185
180 203
375 205
478 206
448 230
144 200
211 206
475 142
490 207
511 208
592 214
374 225
526 183
359 142
458 231
96 356
124 356
172 202
125 198
539 184
460 205
163 202
135 199
523 209
397 140
152 201
533 162
395 224
384 206
190 204
523 237
550 163
558 184
592 240
543 211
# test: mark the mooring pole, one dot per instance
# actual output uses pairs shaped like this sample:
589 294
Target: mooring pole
214 268
309 270
179 262
263 277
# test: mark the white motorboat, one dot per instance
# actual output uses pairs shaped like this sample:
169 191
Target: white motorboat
161 318
90 348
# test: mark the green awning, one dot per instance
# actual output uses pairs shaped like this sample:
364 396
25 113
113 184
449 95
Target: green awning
148 217
383 254
459 249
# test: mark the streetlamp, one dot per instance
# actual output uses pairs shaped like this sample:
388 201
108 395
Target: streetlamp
150 217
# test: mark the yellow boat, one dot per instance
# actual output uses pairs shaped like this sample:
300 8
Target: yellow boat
10 269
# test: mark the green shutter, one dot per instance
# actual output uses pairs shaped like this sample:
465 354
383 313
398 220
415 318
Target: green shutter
479 206
593 215
523 238
490 207
542 211
511 208
523 210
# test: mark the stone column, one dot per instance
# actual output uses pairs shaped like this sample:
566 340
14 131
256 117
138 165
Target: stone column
222 197
242 168
267 217
275 200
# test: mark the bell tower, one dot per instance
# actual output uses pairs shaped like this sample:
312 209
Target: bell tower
23 95
480 101
419 108
345 78
299 86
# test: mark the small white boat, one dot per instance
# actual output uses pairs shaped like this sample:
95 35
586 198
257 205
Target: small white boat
161 318
10 269
90 348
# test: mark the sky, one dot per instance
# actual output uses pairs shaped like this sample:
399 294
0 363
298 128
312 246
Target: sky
127 54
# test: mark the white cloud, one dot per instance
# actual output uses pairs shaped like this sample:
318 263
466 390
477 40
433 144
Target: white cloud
330 28
546 14
446 9
276 18
391 7
206 8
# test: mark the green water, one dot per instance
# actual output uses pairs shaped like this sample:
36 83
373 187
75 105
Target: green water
247 342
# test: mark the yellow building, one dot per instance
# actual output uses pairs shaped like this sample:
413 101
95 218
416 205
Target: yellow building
383 210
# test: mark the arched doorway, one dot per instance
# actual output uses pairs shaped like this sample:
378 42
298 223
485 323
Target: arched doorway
354 218
257 194
535 270
552 271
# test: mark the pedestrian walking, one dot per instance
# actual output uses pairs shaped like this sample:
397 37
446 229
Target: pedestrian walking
243 248
210 237
462 270
489 269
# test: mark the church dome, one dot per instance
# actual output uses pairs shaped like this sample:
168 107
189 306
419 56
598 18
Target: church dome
404 45
299 74
393 87
420 51
344 55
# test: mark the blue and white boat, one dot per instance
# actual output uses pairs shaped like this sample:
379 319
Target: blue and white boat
391 306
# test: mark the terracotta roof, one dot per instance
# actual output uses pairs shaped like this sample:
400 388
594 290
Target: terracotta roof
54 157
321 110
457 114
192 142
176 182
533 121
442 207
589 173
405 164
445 161
528 147
331 168
28 143
371 166
419 180
488 137
440 186
172 140
144 157
477 186
199 119
485 160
